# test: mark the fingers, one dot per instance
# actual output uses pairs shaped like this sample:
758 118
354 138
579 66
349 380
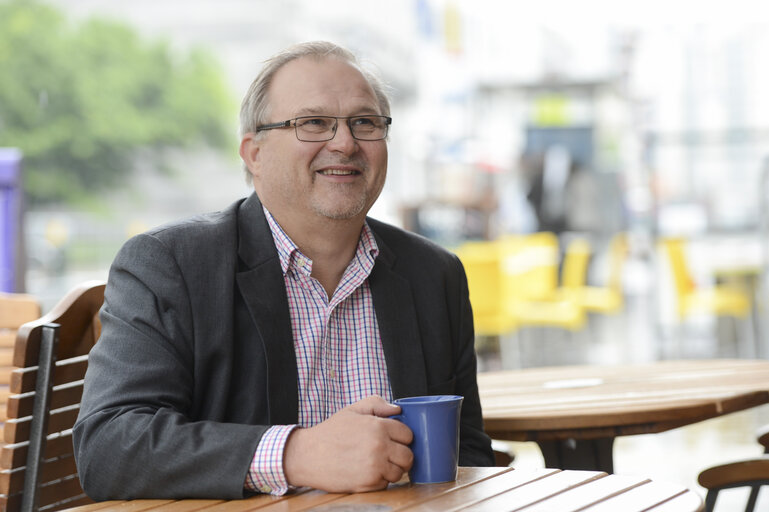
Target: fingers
375 406
393 473
401 456
399 432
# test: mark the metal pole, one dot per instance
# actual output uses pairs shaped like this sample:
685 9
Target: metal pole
39 426
762 295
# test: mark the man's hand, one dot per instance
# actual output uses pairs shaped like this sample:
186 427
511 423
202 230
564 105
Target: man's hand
357 449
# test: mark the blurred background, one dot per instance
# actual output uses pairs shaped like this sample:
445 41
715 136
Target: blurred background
641 131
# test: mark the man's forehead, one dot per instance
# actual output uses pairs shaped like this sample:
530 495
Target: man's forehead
309 83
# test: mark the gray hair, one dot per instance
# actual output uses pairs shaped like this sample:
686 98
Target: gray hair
254 110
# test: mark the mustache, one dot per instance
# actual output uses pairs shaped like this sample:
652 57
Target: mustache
347 162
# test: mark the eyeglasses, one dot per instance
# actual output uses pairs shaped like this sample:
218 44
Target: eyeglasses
323 128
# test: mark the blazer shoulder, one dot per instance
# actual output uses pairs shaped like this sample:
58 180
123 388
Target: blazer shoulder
411 247
204 241
199 227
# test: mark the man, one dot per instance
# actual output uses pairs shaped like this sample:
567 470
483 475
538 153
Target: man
258 348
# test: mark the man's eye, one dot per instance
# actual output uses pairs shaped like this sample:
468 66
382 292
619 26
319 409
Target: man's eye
316 123
364 121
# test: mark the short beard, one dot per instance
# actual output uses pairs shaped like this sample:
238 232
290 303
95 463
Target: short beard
340 212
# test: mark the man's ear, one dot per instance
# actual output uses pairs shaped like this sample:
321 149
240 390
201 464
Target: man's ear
249 152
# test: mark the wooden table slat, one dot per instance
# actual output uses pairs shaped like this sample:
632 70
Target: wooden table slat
641 498
404 494
535 491
686 501
302 499
188 505
101 505
466 496
126 506
579 497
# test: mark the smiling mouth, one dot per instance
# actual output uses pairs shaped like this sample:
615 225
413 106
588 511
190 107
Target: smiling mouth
338 172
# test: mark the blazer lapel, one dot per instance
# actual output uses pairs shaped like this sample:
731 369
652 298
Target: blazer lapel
264 291
398 326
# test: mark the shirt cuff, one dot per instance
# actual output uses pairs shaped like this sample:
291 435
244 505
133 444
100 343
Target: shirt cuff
266 472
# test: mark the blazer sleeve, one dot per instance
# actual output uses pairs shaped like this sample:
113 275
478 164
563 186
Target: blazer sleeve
134 436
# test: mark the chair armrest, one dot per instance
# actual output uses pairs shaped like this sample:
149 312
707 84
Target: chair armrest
736 474
762 436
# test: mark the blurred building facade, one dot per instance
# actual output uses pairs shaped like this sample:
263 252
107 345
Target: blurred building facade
506 120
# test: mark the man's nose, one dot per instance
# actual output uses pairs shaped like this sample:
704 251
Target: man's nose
343 140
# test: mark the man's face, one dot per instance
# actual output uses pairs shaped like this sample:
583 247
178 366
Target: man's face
336 179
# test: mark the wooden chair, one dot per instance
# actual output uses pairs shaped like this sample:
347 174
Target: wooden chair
15 310
37 466
753 473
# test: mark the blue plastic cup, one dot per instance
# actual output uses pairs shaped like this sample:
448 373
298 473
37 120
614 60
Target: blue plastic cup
434 421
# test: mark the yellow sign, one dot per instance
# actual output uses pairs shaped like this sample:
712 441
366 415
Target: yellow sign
551 110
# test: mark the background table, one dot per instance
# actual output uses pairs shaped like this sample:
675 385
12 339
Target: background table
477 489
575 412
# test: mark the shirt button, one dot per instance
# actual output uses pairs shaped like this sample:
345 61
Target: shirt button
265 489
332 374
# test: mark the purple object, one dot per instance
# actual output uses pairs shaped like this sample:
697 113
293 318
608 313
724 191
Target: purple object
10 218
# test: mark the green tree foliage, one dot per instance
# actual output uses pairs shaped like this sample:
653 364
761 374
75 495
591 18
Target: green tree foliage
81 100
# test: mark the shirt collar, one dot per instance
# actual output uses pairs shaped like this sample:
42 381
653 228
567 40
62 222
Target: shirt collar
292 258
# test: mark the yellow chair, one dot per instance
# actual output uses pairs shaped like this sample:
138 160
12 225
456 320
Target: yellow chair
530 271
597 299
482 266
512 283
716 300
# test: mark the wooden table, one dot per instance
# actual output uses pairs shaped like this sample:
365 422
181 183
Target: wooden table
477 489
574 413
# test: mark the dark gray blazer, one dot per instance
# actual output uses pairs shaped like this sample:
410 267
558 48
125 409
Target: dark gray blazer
196 356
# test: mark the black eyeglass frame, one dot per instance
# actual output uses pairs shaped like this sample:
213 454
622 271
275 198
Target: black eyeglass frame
287 124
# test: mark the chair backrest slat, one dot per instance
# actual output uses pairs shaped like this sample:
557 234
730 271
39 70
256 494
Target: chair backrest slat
20 406
7 338
65 493
6 356
23 379
12 481
60 490
17 309
14 455
18 430
79 328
